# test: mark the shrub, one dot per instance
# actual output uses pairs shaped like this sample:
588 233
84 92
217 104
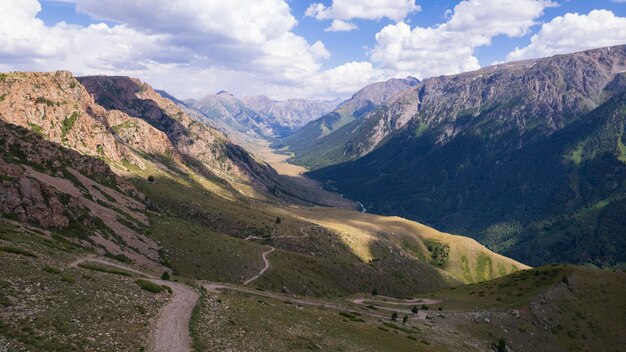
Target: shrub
414 310
424 307
374 292
165 276
151 179
501 346
150 286
405 318
15 250
394 316
68 278
278 220
104 269
51 270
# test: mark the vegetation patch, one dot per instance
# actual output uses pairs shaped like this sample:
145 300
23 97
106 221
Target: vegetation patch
36 128
43 100
67 125
151 286
16 250
439 252
484 269
352 316
104 269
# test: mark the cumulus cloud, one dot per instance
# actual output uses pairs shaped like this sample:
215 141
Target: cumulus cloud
395 10
449 47
340 26
190 50
574 32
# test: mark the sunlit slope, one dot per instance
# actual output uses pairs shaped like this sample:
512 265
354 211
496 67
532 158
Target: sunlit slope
467 260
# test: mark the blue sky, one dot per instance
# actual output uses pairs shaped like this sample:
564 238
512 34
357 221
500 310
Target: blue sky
281 48
348 46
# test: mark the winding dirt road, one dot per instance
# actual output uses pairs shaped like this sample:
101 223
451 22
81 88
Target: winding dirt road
170 332
267 266
265 260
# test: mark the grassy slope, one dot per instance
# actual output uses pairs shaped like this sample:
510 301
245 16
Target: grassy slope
558 308
47 306
468 260
246 323
356 253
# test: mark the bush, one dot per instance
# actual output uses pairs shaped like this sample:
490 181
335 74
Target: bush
149 286
424 307
405 318
165 276
394 316
151 179
501 346
51 270
68 278
103 269
278 220
15 250
374 292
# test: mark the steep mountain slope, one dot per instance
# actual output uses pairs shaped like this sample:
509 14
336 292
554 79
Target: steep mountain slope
259 116
231 112
315 144
127 177
289 115
199 180
525 156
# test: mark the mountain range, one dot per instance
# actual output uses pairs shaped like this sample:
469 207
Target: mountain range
132 220
259 115
526 156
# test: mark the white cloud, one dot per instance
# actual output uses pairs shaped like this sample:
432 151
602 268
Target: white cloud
573 32
247 47
489 18
449 47
395 10
340 26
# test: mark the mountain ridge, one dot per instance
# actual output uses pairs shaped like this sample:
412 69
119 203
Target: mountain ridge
465 127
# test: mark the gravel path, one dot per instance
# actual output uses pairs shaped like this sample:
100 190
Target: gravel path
267 266
170 332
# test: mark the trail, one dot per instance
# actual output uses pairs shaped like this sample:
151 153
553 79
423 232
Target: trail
265 260
267 266
170 332
405 305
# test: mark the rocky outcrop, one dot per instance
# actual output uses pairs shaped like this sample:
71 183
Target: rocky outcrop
59 108
199 145
532 98
50 186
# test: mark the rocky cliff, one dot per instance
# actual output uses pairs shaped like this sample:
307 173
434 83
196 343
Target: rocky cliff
526 156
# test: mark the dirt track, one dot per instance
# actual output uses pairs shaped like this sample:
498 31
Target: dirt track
170 332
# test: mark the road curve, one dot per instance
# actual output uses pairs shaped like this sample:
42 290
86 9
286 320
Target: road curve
170 332
267 266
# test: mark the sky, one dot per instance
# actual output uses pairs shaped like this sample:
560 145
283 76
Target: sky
317 49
